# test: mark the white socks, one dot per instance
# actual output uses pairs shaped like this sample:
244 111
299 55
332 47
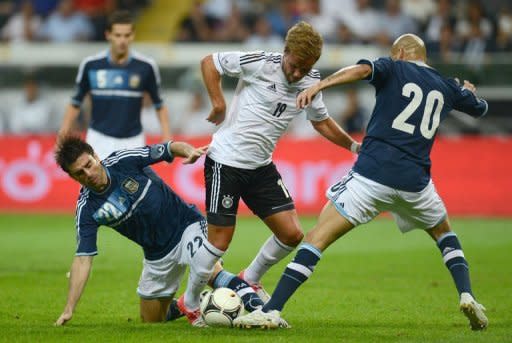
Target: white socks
272 251
201 268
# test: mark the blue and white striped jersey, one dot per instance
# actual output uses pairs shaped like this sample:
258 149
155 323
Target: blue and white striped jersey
411 101
137 203
117 91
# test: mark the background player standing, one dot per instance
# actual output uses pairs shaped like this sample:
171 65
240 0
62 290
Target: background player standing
116 80
239 159
392 172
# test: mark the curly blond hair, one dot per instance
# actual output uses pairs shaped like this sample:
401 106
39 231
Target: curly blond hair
304 42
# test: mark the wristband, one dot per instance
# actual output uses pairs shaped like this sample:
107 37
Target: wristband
354 147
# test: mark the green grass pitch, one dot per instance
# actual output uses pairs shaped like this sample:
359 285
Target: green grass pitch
374 285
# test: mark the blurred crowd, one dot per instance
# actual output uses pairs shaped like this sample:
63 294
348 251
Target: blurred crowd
454 30
447 26
59 21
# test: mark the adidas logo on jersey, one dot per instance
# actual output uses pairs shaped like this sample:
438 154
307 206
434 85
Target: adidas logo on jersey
272 87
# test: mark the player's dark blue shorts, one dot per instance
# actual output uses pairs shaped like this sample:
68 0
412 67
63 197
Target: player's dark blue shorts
262 190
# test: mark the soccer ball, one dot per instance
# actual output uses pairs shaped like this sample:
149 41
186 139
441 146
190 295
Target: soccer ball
220 307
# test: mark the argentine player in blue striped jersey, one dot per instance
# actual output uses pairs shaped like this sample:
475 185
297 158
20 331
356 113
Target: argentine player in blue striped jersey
122 193
116 80
392 172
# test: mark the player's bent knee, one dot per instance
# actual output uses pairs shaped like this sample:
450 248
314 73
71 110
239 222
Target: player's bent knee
292 238
440 229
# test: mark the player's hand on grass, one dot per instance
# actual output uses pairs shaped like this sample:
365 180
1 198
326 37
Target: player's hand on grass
64 318
194 154
305 97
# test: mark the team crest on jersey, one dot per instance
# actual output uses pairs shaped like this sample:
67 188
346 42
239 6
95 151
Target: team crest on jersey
130 185
227 201
134 81
157 151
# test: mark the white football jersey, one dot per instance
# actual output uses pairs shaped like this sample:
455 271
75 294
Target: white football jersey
262 107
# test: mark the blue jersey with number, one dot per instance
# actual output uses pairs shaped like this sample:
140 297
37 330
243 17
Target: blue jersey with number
116 92
411 100
137 203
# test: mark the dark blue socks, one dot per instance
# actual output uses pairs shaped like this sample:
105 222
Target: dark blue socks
454 260
295 274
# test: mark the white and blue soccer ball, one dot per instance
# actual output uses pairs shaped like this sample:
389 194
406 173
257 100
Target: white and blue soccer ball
220 307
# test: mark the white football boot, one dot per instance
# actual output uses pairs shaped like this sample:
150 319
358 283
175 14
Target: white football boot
262 320
473 311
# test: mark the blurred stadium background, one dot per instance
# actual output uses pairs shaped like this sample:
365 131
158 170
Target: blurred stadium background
43 41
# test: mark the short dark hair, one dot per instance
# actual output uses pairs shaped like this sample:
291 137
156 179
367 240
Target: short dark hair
120 17
69 148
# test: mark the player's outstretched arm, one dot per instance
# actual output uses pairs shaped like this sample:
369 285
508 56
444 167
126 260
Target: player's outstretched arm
187 151
334 133
165 127
212 82
80 270
344 75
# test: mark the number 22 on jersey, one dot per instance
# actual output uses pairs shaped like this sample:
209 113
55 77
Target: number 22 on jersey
432 111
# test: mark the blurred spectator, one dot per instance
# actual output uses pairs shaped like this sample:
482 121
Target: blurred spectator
132 5
193 122
476 44
97 11
394 23
197 26
32 112
504 30
6 8
22 25
233 28
443 16
446 47
363 22
324 23
343 35
419 10
218 9
66 25
283 16
475 22
45 7
336 8
262 35
353 119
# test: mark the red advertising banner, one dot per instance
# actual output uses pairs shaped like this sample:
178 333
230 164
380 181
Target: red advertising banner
472 174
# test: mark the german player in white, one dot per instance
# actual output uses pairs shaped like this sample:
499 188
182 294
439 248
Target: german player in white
121 192
392 172
239 159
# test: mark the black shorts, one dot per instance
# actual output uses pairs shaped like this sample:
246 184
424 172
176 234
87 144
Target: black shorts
262 190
